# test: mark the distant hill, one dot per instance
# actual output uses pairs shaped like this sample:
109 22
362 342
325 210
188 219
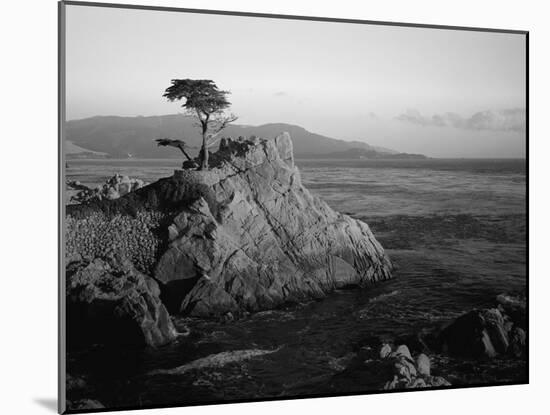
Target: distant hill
73 151
361 153
123 136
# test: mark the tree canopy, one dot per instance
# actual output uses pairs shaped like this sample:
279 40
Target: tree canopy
203 99
200 95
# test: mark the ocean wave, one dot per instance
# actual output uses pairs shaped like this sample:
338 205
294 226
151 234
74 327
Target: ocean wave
382 297
217 360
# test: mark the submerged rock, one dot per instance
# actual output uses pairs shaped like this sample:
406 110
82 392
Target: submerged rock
73 383
423 365
83 404
108 301
246 235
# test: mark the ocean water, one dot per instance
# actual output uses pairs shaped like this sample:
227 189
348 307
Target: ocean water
456 231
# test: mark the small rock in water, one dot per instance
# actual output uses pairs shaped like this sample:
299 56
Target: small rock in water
403 350
385 351
423 365
73 383
418 383
113 188
407 375
392 384
517 342
437 381
404 368
84 404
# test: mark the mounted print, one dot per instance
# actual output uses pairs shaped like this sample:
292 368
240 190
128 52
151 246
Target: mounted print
258 207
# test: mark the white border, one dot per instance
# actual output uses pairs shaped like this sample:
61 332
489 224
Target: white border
29 167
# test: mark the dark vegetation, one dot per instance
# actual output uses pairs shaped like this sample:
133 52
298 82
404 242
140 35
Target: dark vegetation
166 195
169 194
179 144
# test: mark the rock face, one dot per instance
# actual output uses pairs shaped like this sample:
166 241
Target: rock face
243 236
109 301
268 240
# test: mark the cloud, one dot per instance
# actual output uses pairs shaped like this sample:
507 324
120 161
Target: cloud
280 94
513 119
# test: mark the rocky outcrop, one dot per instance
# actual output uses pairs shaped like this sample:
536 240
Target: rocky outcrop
114 188
108 301
488 332
267 240
243 236
409 373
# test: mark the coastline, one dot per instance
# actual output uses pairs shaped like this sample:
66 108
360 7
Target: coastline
432 254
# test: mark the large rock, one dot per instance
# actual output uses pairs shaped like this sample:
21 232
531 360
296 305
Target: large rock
243 236
484 333
467 336
108 301
263 239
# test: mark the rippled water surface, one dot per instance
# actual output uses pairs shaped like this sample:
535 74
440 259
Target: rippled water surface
456 231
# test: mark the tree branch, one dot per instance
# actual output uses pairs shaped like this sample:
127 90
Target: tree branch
218 125
211 143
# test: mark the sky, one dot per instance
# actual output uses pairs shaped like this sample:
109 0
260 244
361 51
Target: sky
443 93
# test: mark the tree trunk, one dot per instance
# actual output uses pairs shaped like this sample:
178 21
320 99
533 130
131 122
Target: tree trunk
204 154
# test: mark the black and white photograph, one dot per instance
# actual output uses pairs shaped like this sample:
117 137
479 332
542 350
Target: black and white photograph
263 207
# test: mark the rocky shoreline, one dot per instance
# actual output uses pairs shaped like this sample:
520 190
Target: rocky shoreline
241 237
478 338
